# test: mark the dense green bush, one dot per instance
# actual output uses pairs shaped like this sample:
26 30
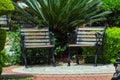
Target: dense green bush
113 19
6 7
111 47
2 39
2 44
3 58
112 44
13 40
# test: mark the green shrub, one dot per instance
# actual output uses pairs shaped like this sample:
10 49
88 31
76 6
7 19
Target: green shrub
6 7
0 69
113 19
3 58
111 47
2 39
13 40
2 44
112 44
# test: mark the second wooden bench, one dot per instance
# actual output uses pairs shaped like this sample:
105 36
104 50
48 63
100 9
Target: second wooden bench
87 37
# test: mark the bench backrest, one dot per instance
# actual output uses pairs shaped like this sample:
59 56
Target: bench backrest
87 35
4 22
34 38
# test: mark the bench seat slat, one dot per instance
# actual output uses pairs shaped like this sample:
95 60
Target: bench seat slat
87 40
89 33
39 46
36 37
91 28
3 22
34 30
84 36
37 41
36 34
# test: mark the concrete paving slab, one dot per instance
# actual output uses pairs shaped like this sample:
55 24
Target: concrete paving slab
64 69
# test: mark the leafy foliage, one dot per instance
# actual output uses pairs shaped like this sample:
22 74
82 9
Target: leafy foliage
13 39
2 52
111 47
6 7
61 14
113 19
34 56
2 39
3 58
112 44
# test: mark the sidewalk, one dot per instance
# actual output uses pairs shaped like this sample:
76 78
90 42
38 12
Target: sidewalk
63 72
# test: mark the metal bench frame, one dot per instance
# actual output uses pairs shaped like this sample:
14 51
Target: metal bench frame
87 37
35 38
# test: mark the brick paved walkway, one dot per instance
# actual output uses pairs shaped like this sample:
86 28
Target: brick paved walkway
8 73
72 77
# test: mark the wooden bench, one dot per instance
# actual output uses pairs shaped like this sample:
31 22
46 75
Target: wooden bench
35 38
4 23
87 37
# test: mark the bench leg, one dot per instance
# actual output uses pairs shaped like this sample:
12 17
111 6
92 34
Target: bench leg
96 56
69 56
24 57
103 60
53 58
79 53
77 56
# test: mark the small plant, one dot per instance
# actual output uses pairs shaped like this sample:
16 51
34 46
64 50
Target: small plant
13 40
17 79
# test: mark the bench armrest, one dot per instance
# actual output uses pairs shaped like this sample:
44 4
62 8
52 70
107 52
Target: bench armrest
71 37
99 37
52 38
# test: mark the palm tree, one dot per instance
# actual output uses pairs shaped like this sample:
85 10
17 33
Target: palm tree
62 16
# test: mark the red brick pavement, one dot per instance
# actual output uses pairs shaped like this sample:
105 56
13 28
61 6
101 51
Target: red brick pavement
11 74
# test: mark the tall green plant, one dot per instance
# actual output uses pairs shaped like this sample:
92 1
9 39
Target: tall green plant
2 44
113 19
61 16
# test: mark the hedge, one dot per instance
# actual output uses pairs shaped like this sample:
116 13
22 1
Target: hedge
6 7
112 44
2 51
111 47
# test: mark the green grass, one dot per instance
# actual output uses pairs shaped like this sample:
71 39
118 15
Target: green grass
17 79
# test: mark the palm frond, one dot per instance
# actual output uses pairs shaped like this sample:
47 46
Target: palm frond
62 14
